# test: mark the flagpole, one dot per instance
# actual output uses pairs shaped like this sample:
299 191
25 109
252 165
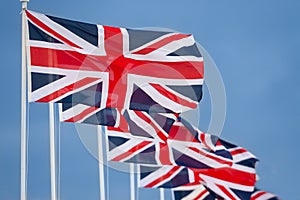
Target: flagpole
59 150
138 178
161 193
106 161
52 152
101 163
132 184
23 192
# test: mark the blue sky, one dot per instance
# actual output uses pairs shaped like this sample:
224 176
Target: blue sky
255 46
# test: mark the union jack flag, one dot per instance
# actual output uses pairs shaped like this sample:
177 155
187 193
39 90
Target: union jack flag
229 182
170 139
159 139
200 192
110 67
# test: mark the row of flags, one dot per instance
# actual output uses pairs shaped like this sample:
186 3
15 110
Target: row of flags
137 83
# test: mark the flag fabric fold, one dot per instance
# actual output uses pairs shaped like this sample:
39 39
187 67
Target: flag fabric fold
170 139
161 139
173 144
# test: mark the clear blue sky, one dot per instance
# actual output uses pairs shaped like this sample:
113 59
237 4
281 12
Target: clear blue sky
255 45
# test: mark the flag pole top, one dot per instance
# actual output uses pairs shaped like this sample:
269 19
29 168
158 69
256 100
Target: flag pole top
24 4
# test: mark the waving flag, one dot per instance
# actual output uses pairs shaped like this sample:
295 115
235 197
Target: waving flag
136 149
110 67
229 183
200 192
125 147
159 139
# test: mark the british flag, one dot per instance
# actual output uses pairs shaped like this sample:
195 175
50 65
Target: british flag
229 182
200 192
159 139
236 182
110 67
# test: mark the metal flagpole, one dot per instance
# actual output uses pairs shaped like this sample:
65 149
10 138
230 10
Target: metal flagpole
161 194
52 152
23 192
106 161
138 178
101 164
59 151
132 183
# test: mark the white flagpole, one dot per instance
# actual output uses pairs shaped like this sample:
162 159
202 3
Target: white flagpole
106 161
161 193
52 152
132 183
23 192
138 178
59 151
101 164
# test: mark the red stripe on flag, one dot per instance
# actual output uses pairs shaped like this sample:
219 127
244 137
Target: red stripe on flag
165 69
131 151
123 124
69 88
202 194
160 134
230 175
181 133
258 194
164 154
202 137
113 41
173 97
238 151
163 177
225 190
160 43
49 30
65 59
